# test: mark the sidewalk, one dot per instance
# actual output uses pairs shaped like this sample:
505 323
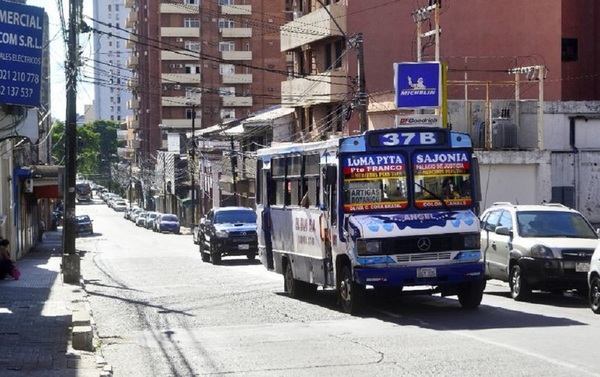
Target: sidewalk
37 319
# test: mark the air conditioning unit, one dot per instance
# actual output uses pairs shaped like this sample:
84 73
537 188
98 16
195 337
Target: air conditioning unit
177 87
297 15
179 39
179 65
172 65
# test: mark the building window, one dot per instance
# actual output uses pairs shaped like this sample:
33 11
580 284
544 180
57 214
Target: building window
227 91
227 114
226 46
569 50
192 46
225 23
191 1
226 2
191 22
226 69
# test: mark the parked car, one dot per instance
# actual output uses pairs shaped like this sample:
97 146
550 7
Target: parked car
119 205
228 231
545 247
594 281
149 223
135 213
167 222
140 219
83 224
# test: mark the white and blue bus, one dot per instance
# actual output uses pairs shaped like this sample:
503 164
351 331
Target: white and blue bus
387 209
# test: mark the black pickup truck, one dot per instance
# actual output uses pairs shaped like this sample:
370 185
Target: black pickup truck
228 231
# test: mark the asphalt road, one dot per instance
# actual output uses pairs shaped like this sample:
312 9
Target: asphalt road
161 311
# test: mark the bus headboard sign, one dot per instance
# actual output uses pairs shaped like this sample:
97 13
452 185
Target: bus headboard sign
400 138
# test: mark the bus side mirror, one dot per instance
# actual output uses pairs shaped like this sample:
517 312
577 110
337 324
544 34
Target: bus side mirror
330 175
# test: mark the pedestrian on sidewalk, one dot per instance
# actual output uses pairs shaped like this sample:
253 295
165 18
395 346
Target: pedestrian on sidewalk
7 265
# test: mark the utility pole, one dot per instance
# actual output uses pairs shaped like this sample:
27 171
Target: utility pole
70 261
193 164
233 171
357 42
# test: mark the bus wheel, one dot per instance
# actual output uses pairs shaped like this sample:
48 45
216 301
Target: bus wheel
470 294
351 294
291 286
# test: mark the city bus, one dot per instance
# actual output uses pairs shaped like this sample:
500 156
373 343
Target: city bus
385 210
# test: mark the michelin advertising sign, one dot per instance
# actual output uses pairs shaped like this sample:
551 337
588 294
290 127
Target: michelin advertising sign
418 85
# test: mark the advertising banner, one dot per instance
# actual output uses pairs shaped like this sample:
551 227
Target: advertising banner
374 182
21 44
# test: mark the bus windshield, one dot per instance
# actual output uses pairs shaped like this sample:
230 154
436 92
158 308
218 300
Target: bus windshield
374 182
442 179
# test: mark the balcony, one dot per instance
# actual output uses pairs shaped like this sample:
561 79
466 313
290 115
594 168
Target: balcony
237 101
132 122
133 104
132 19
236 32
122 135
184 32
133 61
181 123
177 101
179 8
133 83
236 55
126 152
132 41
181 78
180 55
135 144
317 89
130 3
313 27
237 78
236 10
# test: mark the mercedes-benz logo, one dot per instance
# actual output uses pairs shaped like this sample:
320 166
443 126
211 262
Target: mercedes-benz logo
424 244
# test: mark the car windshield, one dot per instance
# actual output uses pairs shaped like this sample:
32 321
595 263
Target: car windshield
554 224
235 217
82 218
169 218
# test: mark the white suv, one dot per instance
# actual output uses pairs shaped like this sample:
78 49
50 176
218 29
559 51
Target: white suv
546 247
594 281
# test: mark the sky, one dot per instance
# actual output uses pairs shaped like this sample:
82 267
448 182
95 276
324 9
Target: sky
85 93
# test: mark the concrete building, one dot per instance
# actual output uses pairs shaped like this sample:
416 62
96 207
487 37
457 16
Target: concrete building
110 57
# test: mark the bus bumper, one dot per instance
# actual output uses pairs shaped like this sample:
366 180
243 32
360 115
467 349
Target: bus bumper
422 275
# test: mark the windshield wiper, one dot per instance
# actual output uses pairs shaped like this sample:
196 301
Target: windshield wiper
435 196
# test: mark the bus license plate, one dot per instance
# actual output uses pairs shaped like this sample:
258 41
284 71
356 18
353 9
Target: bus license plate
243 246
426 272
582 267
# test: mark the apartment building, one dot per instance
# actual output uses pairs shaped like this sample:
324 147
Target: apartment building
197 64
110 60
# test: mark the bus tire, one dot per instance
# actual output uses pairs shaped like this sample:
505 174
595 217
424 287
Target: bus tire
470 294
351 294
291 285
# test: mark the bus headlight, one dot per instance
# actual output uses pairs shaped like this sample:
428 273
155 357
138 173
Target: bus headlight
472 241
368 247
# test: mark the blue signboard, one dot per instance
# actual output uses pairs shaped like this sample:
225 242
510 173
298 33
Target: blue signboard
21 44
418 85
